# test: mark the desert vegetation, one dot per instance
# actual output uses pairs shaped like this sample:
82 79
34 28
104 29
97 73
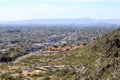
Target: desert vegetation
59 54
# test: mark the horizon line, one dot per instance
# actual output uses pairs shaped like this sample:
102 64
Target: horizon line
58 18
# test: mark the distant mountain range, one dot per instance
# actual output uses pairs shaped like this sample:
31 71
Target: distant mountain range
65 21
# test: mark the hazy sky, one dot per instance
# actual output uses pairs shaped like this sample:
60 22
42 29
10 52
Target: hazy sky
39 9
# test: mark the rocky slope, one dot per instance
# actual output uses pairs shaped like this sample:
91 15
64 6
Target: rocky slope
107 64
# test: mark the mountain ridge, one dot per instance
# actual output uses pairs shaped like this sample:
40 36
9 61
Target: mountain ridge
64 21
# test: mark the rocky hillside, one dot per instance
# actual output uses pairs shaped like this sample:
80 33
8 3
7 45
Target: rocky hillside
107 64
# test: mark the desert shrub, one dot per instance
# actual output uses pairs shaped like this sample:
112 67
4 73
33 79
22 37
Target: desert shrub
46 78
6 76
49 72
61 72
37 75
